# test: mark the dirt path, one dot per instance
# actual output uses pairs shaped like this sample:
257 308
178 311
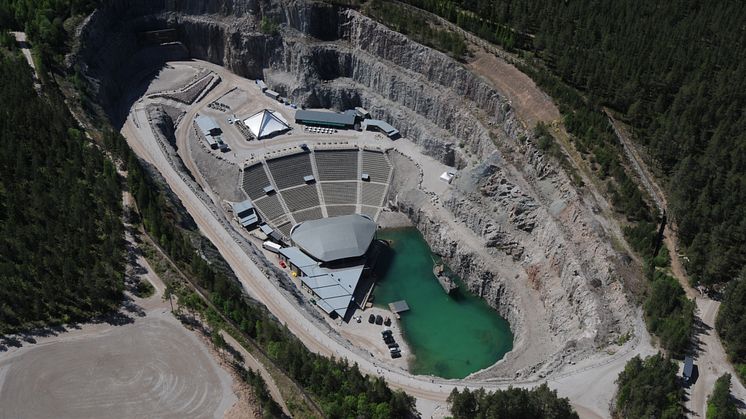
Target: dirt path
491 62
710 356
255 365
711 360
25 47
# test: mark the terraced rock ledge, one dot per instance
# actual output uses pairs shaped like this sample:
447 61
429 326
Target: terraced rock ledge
512 225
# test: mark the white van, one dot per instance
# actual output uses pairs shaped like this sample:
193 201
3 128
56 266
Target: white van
272 246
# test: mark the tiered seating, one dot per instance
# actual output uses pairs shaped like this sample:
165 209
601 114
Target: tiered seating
338 177
373 194
308 214
337 210
270 207
284 218
190 93
337 164
254 181
301 197
369 211
339 192
285 228
376 165
289 170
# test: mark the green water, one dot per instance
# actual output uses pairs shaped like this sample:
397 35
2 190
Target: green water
450 336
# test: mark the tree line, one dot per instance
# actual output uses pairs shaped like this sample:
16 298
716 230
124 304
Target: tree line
649 389
44 23
513 403
731 324
720 404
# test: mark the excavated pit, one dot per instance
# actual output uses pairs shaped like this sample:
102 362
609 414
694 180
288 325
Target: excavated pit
512 225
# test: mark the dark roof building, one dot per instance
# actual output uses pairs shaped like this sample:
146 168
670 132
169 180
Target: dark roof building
326 119
688 372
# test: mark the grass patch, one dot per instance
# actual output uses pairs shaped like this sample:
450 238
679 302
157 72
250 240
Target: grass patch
669 313
143 288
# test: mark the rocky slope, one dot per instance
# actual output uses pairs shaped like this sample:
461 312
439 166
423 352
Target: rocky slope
513 226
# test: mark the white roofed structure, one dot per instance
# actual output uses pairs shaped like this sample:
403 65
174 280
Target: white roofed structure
335 238
266 123
207 125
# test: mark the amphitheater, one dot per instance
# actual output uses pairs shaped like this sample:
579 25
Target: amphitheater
326 181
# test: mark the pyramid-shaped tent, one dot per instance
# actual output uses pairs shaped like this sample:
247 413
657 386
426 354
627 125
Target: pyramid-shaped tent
266 123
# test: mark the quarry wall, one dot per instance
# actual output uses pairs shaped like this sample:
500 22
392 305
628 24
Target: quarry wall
512 225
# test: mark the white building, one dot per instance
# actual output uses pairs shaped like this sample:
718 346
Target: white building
266 123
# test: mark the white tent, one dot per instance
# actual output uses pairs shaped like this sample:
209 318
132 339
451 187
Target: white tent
447 177
265 123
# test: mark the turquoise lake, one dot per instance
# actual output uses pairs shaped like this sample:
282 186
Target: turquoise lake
451 336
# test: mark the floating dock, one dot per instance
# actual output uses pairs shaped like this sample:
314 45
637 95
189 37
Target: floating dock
398 307
447 283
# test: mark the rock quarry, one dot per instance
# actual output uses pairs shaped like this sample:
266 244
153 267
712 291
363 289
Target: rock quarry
513 225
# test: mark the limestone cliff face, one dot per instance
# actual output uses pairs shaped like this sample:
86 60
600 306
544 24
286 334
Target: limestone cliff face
512 225
428 96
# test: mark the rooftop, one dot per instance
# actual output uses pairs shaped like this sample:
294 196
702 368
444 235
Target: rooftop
265 123
399 306
335 288
240 207
334 238
381 125
245 213
207 125
302 115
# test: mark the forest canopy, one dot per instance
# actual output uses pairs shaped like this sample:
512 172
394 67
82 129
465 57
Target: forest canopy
648 389
61 234
513 403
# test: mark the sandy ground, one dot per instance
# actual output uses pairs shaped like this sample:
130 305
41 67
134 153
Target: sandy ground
530 103
366 335
390 219
711 360
143 365
590 386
